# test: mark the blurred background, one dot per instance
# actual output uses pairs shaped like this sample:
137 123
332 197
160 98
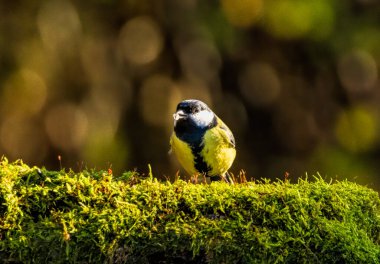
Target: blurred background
96 83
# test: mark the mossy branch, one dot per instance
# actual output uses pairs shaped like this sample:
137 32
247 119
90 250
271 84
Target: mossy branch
96 217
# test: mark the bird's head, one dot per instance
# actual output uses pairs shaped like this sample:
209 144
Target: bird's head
193 113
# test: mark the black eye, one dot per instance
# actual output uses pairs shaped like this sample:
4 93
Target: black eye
195 110
188 110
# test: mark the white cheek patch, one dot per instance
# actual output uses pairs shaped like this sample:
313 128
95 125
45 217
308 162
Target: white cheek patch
204 118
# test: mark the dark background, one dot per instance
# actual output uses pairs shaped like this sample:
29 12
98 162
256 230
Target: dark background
97 82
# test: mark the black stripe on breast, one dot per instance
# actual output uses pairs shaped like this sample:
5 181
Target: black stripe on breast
193 136
199 163
194 140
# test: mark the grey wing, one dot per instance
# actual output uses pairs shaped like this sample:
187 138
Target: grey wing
229 134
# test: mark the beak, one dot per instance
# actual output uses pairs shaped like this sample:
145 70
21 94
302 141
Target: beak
179 115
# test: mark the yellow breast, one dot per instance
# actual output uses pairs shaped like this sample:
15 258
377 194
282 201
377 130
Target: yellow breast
183 153
217 152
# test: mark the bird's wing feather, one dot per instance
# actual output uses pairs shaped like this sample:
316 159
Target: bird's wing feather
226 133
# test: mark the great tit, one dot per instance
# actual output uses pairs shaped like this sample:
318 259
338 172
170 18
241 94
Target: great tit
202 143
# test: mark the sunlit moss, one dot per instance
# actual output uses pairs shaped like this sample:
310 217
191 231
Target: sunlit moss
103 217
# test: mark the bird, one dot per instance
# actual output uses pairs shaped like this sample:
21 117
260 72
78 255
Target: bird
202 142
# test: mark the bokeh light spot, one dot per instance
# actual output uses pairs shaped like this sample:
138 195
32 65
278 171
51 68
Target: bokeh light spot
323 19
291 19
26 90
235 115
366 38
260 84
357 129
194 88
200 59
334 161
59 24
66 126
158 98
296 128
23 138
104 149
358 71
242 13
141 40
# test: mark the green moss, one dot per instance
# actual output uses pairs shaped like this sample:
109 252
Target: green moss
95 217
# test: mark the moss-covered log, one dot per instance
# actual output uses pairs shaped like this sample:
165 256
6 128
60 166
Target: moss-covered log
96 217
